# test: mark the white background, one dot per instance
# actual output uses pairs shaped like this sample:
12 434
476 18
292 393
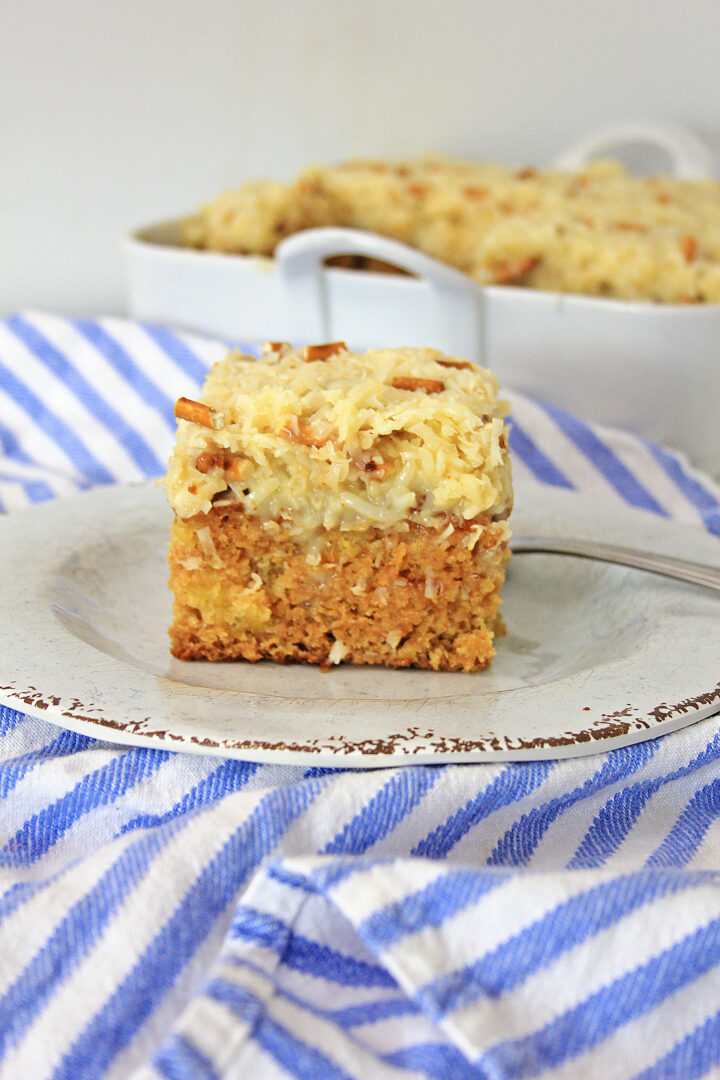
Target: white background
116 113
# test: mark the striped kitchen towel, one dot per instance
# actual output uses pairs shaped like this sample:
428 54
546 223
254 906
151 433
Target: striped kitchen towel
174 916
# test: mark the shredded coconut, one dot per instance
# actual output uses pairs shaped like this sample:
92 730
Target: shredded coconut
447 531
338 652
256 582
472 537
209 550
193 562
303 425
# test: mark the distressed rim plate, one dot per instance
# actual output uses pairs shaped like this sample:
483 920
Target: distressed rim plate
595 656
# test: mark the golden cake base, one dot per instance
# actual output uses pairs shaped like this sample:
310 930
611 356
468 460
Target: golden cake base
399 599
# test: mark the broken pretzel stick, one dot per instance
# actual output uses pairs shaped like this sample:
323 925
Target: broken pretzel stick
198 413
631 226
463 364
688 246
275 346
409 382
322 352
235 468
474 191
515 271
208 460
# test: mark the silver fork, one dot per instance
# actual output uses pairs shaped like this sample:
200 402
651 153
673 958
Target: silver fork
667 565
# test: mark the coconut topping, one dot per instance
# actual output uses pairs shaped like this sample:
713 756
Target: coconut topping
346 440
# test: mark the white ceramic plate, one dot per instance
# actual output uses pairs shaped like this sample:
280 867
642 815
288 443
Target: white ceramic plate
595 656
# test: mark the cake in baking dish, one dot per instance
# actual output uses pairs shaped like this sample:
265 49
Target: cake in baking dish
332 507
599 231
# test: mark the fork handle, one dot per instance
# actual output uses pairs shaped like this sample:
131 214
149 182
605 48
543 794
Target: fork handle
667 565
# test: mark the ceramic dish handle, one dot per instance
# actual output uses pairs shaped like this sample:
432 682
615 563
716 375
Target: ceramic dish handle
455 301
680 152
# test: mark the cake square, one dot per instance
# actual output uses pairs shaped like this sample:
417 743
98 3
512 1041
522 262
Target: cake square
333 506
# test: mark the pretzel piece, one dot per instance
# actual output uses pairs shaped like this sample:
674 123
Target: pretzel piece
410 382
688 246
461 364
207 460
197 412
235 468
515 271
275 346
322 352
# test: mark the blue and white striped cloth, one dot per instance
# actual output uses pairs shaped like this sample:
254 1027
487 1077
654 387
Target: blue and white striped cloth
190 918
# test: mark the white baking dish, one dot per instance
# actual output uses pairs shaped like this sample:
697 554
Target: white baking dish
652 369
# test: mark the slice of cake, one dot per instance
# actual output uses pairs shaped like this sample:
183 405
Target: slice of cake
336 507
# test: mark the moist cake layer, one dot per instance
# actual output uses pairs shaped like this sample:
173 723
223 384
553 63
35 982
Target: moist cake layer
399 599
